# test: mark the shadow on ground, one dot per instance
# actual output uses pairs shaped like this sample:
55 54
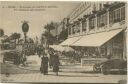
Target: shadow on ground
92 72
13 69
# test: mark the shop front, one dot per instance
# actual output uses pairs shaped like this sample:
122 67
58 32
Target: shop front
101 45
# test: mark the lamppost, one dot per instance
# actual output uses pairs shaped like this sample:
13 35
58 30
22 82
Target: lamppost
25 28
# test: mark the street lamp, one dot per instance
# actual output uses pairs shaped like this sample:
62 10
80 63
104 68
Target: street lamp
25 28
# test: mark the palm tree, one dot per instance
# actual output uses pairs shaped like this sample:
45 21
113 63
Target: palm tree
50 26
47 34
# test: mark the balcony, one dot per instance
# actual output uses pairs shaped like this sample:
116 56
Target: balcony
118 22
117 25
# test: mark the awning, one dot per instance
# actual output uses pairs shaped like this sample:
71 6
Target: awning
70 41
96 40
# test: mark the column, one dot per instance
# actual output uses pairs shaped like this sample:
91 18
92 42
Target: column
95 23
126 7
87 22
107 19
81 27
124 44
71 29
68 31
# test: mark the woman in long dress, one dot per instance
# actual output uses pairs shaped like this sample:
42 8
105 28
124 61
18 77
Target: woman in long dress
44 64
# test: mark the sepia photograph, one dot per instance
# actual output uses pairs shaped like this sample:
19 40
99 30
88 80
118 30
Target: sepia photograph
63 42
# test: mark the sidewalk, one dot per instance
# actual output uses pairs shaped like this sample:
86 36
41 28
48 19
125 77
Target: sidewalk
64 77
67 74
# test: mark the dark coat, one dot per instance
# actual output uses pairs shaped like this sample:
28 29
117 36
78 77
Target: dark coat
44 65
56 63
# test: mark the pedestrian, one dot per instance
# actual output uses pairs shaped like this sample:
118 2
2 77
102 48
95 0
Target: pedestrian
44 64
56 63
23 58
51 58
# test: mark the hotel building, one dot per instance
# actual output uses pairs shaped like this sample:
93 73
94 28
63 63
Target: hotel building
98 27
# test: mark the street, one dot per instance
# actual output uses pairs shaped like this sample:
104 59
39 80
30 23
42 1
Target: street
67 74
64 77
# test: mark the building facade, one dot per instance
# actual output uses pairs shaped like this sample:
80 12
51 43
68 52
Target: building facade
99 26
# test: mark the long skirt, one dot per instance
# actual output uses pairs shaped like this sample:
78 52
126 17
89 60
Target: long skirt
55 68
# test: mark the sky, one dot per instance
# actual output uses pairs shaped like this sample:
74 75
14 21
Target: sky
12 15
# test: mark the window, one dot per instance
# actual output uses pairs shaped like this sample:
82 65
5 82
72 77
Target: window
100 6
105 19
123 13
77 28
69 31
73 29
91 23
94 7
84 25
117 15
110 17
102 20
98 21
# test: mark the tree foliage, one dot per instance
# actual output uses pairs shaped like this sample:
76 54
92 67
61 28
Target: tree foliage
63 35
47 34
29 40
1 32
50 26
15 36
